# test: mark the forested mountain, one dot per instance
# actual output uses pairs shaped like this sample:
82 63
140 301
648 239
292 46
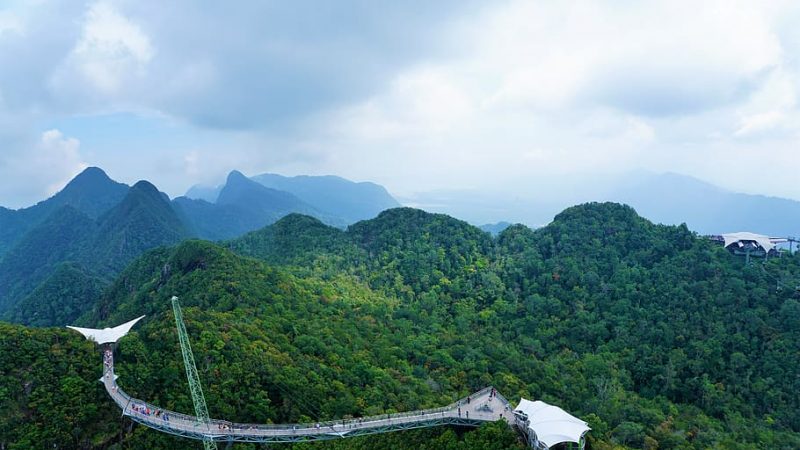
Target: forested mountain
96 226
660 307
92 193
96 250
61 298
658 338
143 220
59 238
299 241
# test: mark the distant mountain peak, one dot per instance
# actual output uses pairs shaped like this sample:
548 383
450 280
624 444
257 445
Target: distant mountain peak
238 186
148 189
91 173
237 177
142 220
145 186
91 191
89 178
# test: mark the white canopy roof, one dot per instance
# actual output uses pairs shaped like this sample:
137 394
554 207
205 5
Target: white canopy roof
107 335
760 239
552 424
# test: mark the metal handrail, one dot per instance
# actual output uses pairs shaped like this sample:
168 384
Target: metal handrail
215 427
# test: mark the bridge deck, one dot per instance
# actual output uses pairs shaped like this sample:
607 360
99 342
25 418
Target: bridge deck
474 410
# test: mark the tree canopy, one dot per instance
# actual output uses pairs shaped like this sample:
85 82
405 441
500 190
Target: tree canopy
657 337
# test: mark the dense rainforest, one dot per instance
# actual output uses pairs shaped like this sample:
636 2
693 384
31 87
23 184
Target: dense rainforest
657 337
76 242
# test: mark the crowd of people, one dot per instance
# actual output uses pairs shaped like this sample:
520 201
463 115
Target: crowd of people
107 358
147 411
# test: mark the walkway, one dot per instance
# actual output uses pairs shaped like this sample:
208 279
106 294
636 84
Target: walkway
471 411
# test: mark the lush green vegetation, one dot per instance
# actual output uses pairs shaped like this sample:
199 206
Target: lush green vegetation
35 258
32 272
101 226
49 396
658 338
61 298
91 192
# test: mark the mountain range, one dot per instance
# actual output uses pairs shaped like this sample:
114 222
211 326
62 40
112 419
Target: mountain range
64 248
673 199
83 251
67 247
341 200
656 337
666 198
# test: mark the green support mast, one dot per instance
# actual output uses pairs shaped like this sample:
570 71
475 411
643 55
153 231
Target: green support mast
199 400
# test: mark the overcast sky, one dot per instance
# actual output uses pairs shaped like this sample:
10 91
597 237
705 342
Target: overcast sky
416 96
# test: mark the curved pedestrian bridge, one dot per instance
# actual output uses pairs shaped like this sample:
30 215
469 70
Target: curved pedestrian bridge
485 405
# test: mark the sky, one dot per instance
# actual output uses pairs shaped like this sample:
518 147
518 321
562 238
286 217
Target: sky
419 96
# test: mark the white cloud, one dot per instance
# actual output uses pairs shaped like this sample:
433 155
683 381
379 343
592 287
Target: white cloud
10 23
515 91
646 58
541 90
111 50
771 111
760 122
57 158
36 172
421 102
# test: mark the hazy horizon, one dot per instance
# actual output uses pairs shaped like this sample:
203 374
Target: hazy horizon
704 207
511 98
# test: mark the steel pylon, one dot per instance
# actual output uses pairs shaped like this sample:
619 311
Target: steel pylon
199 400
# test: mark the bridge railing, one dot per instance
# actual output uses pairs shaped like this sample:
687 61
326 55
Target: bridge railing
138 408
370 421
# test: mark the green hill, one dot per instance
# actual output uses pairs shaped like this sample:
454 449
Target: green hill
60 299
49 394
91 192
97 251
59 238
657 338
300 241
143 220
661 307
